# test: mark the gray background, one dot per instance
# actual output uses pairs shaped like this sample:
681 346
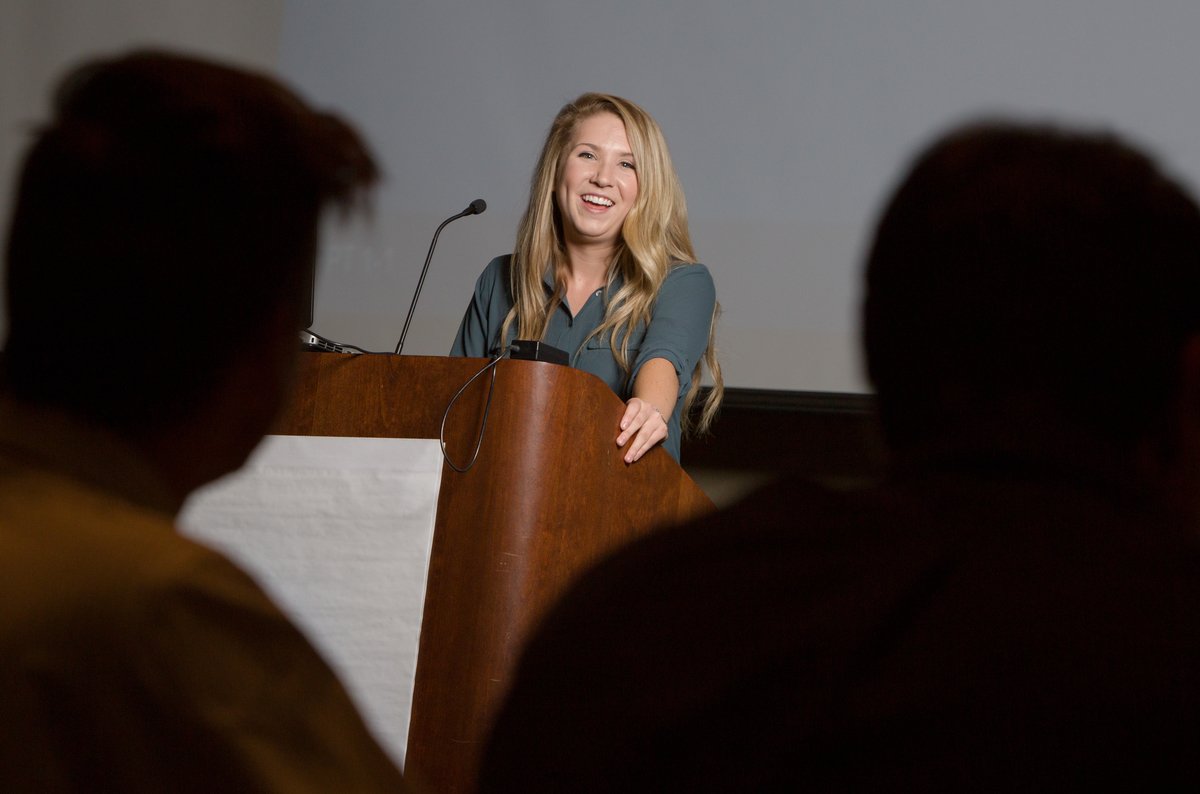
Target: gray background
788 122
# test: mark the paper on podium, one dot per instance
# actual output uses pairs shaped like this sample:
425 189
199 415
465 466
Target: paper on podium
338 531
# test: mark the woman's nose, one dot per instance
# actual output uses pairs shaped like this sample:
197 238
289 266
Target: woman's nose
602 174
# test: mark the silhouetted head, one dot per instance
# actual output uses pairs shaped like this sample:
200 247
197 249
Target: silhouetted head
1031 263
165 217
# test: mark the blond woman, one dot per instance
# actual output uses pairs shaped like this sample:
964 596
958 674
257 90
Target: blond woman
604 269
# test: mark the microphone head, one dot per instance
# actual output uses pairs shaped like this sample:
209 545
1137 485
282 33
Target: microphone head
477 207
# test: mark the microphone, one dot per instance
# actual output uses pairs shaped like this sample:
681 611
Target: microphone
474 208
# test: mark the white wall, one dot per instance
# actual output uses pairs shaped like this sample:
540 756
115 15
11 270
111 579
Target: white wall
788 121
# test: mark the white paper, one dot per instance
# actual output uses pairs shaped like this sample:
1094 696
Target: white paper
338 531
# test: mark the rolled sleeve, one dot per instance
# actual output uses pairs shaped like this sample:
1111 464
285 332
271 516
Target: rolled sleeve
679 325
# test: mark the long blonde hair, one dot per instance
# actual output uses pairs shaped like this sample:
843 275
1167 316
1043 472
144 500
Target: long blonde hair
654 238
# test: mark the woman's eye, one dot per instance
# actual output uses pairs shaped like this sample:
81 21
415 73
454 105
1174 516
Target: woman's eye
627 164
587 155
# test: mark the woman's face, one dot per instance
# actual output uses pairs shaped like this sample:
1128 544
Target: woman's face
598 183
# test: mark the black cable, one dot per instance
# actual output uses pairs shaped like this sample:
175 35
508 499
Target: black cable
487 407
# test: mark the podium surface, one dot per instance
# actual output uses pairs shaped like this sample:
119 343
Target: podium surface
548 494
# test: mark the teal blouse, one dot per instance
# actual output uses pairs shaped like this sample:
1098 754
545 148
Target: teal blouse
677 332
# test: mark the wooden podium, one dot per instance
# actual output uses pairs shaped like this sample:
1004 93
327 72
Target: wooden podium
548 494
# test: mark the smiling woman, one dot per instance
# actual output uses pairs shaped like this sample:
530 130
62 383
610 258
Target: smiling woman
604 269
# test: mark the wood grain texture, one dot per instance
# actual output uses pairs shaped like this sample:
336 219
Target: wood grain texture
548 495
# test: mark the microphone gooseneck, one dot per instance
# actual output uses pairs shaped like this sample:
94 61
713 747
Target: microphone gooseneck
474 208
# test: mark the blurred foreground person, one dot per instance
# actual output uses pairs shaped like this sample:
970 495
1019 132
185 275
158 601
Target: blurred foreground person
164 230
1015 607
